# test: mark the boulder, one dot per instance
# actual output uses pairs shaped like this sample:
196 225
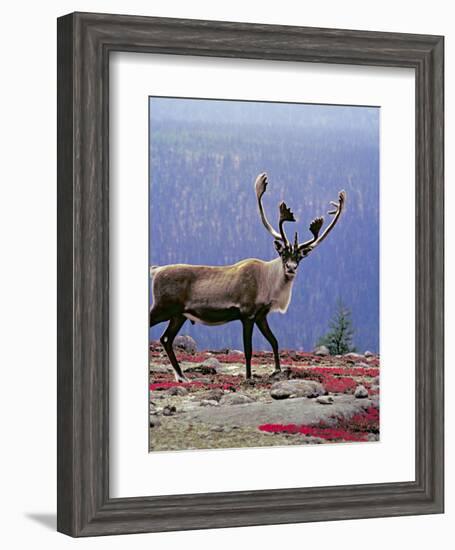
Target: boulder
361 392
212 395
177 390
185 343
368 354
296 388
322 351
235 399
211 362
209 366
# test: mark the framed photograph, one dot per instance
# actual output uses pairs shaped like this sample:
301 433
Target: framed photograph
250 274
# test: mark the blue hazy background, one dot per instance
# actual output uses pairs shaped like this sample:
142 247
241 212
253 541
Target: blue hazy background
204 158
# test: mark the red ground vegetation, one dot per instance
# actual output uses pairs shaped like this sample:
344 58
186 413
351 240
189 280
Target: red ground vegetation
337 375
356 428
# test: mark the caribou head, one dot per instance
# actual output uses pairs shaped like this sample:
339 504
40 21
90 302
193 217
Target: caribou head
291 254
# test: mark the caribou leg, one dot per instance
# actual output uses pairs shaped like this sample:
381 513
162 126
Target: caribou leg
175 324
248 325
263 326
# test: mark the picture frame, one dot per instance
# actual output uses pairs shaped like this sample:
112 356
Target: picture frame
85 41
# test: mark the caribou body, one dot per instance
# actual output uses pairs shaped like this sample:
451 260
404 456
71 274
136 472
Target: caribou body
247 291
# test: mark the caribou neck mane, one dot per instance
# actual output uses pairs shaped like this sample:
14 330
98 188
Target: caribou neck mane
278 285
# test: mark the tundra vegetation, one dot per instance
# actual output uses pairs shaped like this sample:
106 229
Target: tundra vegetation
313 400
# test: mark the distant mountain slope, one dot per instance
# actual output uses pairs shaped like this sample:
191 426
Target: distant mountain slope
205 156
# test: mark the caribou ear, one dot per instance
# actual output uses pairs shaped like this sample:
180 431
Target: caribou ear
279 246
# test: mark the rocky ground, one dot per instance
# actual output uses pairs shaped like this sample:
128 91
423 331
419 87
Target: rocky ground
317 398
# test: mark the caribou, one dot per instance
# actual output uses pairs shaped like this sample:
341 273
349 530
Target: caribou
246 291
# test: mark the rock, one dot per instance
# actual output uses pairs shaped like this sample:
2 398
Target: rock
363 365
212 395
375 381
154 422
296 388
374 399
208 403
280 393
217 428
353 356
177 390
189 406
201 380
209 366
202 369
300 411
211 362
169 410
374 388
368 354
185 343
373 437
283 374
325 399
227 351
321 351
235 399
361 392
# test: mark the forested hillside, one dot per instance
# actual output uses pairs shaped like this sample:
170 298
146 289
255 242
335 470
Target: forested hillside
204 157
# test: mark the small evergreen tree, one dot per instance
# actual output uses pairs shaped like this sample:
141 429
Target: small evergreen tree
339 338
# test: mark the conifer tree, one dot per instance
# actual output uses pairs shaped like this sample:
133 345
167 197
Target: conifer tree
338 339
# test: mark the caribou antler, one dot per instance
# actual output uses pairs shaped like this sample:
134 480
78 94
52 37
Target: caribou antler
285 213
261 185
285 216
315 227
316 224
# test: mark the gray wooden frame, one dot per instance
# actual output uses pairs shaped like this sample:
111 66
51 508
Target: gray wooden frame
84 43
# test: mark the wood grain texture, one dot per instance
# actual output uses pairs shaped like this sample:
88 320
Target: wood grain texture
84 43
